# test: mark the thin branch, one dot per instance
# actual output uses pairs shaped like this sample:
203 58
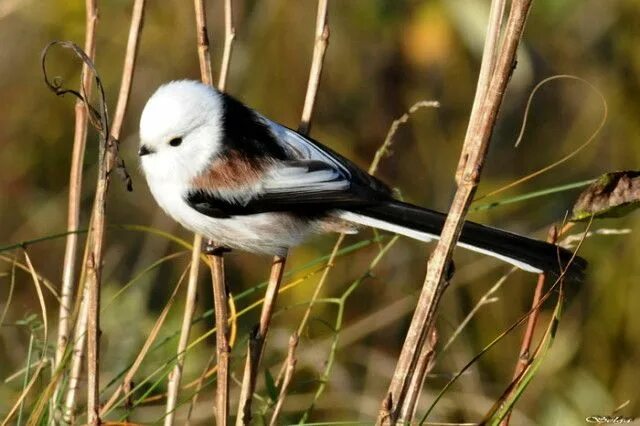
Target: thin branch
223 348
199 382
217 260
471 161
486 299
75 189
487 68
388 140
319 49
128 377
108 157
79 344
133 41
290 365
204 55
423 367
189 308
524 356
257 342
229 36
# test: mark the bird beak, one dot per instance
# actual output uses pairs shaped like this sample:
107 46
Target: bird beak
144 150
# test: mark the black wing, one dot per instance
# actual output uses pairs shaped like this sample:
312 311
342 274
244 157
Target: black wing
305 187
257 137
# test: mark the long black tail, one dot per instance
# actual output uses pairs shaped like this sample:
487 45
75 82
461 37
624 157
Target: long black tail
424 224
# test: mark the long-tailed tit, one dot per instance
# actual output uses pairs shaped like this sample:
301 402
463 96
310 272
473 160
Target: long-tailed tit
223 170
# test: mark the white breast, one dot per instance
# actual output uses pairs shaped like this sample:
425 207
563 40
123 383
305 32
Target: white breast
269 233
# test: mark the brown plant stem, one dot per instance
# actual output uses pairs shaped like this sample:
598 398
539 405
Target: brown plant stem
290 365
257 342
229 36
108 155
153 334
319 50
471 162
189 308
75 189
173 385
79 344
423 366
223 350
524 356
217 260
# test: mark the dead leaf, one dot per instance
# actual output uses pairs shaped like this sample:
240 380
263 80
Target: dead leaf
612 195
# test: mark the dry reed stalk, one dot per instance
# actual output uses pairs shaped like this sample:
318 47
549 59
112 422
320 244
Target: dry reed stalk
187 318
258 340
108 158
471 161
75 189
290 366
128 377
319 50
524 356
229 36
223 350
423 366
79 344
220 297
204 57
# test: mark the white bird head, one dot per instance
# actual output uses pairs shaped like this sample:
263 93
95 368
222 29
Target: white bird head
180 130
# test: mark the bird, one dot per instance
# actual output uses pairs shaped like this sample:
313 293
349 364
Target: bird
225 171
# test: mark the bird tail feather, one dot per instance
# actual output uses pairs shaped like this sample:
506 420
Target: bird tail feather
426 225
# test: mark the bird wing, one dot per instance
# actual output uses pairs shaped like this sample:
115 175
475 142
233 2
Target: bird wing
305 148
300 186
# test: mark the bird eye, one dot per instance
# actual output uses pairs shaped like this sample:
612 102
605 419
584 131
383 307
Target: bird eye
175 141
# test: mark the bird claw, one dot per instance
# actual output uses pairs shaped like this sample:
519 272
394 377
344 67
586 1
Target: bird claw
213 249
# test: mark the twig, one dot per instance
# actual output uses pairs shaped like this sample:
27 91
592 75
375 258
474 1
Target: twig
229 36
486 299
487 68
176 375
128 68
75 189
223 349
524 356
319 49
79 342
128 377
471 162
217 260
199 382
423 366
290 365
189 308
207 78
108 157
388 140
257 341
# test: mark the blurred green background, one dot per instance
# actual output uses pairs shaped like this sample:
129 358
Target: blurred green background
383 56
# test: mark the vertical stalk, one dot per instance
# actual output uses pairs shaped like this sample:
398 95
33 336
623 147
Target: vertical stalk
471 162
75 190
258 340
223 349
189 309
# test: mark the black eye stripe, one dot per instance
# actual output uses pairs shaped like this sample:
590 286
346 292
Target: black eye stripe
175 141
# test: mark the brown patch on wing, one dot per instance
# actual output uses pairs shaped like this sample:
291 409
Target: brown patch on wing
231 171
